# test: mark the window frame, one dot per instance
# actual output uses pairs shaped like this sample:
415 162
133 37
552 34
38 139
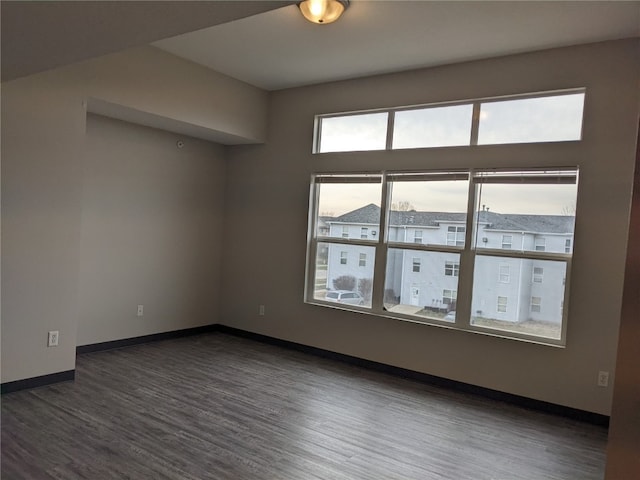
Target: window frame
467 254
504 305
504 277
452 267
450 299
475 120
535 306
416 265
537 277
457 231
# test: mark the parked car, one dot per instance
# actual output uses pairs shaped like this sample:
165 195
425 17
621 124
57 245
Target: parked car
345 296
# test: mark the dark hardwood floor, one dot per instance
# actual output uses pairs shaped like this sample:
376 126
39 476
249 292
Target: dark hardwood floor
217 406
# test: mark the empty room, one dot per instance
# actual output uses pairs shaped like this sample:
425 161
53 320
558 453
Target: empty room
320 240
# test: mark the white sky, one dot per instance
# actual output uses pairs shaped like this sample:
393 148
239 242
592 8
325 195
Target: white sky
451 196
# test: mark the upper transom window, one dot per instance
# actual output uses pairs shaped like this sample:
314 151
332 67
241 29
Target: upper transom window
533 118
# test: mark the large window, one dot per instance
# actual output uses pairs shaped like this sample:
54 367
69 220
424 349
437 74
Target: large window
531 118
461 273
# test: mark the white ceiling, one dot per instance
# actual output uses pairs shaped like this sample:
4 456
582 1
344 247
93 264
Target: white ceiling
279 49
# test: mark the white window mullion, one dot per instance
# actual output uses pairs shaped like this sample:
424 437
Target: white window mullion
565 302
475 123
377 300
312 242
390 126
467 261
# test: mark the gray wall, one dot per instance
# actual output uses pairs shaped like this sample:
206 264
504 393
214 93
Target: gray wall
151 231
42 151
43 160
266 221
623 449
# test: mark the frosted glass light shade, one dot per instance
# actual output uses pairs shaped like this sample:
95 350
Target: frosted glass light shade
323 11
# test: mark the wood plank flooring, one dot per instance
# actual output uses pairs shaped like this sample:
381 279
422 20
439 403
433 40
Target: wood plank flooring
217 406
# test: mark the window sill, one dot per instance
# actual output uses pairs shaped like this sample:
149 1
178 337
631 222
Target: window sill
547 342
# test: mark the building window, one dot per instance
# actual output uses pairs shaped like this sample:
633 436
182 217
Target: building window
352 132
345 231
451 269
540 244
499 121
417 236
538 273
455 236
449 298
567 245
536 303
364 232
416 265
502 304
424 127
503 274
489 267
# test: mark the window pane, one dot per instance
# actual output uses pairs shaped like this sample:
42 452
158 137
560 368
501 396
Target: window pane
427 292
344 273
526 217
433 127
343 208
429 212
522 304
542 119
353 132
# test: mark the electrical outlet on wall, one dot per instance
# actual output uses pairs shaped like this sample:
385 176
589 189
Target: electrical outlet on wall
261 310
140 310
52 338
603 379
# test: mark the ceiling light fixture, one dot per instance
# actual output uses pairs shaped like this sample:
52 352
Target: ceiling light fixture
323 11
